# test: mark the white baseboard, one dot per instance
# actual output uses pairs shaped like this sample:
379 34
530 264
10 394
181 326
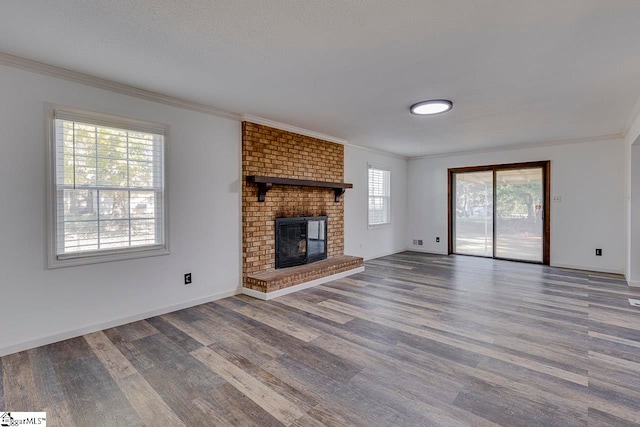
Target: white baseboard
632 283
427 251
265 296
572 267
73 333
385 254
588 268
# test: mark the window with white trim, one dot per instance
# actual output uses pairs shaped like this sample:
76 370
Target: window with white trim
108 190
379 196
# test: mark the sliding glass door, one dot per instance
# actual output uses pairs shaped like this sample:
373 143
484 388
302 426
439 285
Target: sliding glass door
519 214
499 211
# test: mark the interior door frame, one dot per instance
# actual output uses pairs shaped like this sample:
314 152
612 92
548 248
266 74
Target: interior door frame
546 209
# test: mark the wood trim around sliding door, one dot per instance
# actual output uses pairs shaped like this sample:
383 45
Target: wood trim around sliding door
546 183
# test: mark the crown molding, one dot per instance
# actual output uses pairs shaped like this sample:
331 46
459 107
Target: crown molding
312 134
635 114
97 82
523 146
633 124
294 129
382 152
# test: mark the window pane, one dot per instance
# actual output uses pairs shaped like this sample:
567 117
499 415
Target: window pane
65 155
143 232
474 213
80 236
141 174
112 143
112 173
85 171
379 196
84 140
114 204
142 147
114 234
80 205
143 204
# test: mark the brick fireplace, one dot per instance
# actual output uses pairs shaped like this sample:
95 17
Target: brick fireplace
267 151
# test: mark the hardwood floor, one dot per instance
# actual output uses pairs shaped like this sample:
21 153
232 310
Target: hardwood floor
414 340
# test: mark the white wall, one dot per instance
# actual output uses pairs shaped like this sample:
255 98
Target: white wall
359 239
40 305
589 176
633 267
632 181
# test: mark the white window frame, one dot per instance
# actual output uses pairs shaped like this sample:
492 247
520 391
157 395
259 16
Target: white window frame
386 169
67 260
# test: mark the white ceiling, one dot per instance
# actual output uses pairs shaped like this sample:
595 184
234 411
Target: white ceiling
518 71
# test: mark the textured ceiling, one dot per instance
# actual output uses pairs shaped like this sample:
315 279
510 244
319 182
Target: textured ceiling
517 71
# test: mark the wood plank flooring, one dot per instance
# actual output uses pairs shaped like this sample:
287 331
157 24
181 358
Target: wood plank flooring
415 340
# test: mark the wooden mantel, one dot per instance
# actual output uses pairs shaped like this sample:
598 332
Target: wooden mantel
265 183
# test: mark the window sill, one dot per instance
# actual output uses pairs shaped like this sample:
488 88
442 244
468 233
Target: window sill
376 226
96 258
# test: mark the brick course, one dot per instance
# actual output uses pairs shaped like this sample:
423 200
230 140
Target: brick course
274 152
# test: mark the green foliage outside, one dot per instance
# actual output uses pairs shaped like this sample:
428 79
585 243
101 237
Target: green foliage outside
514 200
520 200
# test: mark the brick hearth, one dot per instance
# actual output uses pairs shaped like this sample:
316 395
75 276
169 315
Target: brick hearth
275 280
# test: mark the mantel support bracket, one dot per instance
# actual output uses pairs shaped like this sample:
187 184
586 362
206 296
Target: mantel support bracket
263 187
337 192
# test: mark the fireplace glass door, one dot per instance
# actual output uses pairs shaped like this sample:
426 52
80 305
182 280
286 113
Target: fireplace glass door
300 240
317 240
291 244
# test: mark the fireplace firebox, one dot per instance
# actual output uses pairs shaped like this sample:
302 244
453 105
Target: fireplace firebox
300 240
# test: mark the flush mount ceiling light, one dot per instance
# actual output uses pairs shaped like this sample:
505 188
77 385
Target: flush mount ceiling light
433 106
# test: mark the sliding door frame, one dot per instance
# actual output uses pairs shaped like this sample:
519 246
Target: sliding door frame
546 210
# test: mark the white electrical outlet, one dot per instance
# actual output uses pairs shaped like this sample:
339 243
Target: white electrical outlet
557 199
